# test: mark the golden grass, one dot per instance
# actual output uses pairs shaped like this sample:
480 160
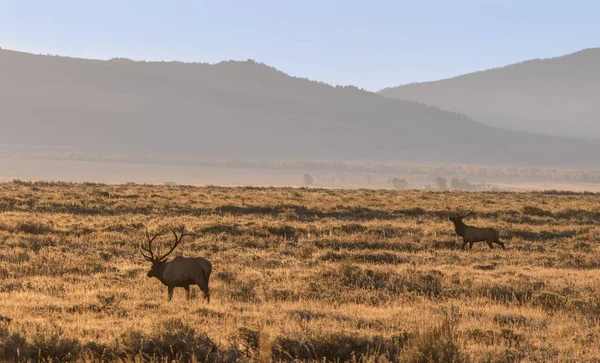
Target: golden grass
299 274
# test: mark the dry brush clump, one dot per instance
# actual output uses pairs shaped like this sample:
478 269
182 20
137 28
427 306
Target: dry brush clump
306 274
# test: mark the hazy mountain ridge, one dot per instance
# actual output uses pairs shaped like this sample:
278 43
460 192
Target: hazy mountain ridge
553 96
243 110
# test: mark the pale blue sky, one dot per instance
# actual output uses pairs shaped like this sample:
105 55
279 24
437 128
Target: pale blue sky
367 44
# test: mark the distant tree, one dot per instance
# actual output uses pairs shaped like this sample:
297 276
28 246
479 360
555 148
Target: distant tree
308 180
461 184
399 184
455 183
441 183
121 60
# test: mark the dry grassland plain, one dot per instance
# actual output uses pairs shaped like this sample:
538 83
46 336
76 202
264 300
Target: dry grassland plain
305 274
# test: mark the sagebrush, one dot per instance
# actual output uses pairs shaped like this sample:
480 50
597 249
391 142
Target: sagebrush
306 274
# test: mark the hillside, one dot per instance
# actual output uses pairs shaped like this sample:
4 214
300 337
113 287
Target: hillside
556 96
243 110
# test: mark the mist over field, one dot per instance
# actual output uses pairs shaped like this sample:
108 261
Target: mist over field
251 117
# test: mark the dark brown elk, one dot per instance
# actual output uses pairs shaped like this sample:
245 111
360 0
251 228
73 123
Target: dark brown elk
472 234
179 272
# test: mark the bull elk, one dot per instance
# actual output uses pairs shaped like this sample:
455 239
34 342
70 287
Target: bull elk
179 272
472 234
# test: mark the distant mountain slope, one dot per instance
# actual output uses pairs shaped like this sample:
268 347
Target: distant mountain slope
557 96
243 110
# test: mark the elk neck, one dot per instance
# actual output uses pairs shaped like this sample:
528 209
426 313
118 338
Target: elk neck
161 272
459 227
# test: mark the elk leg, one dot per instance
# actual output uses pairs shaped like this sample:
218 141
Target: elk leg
171 288
500 243
470 246
187 292
464 245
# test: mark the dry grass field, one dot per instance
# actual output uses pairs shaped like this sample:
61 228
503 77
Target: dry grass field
298 274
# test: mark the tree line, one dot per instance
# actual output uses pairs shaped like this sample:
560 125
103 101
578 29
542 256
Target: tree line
451 171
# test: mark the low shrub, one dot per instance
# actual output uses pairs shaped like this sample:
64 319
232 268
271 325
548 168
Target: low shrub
437 344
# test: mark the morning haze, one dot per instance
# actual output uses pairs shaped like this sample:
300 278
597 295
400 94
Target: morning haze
243 109
556 96
248 111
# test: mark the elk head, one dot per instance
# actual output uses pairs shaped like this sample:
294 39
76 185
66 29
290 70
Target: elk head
158 260
459 216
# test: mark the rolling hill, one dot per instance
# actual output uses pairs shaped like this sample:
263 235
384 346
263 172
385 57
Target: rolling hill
557 96
243 110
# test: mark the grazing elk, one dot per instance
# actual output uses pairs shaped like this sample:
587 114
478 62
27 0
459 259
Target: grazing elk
179 272
472 234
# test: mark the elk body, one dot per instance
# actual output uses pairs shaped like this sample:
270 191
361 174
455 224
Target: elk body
472 234
179 272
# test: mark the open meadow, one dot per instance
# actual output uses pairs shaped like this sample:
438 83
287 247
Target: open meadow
304 274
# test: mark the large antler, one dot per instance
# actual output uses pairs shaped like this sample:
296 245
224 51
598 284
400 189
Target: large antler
464 215
178 239
150 257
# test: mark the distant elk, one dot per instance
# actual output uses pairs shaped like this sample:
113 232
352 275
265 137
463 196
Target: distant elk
179 272
472 234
